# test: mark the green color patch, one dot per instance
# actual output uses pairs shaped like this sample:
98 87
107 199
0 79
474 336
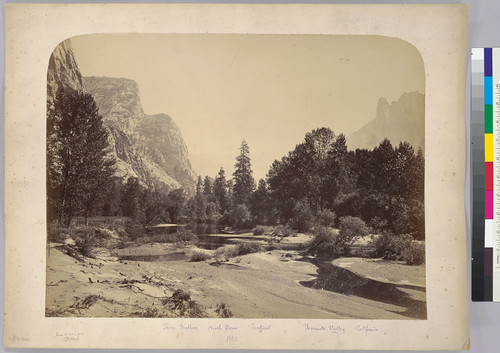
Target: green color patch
488 119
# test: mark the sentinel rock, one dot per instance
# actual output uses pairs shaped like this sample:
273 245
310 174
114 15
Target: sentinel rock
403 120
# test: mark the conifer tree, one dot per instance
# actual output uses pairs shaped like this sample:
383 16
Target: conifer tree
244 183
79 168
220 191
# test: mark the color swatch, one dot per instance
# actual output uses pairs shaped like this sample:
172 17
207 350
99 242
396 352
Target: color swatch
485 152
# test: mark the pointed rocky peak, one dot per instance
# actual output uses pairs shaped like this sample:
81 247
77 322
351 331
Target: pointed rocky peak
402 120
382 107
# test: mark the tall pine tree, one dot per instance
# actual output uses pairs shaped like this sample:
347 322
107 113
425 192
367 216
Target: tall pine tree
79 169
244 183
220 191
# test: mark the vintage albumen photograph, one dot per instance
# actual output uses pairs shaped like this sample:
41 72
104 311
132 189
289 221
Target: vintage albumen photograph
235 176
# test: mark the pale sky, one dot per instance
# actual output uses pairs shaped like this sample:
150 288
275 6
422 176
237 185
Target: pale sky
267 89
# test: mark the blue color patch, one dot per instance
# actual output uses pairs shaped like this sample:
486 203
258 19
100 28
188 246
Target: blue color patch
488 90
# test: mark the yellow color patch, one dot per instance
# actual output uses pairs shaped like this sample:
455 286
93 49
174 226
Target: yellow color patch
488 147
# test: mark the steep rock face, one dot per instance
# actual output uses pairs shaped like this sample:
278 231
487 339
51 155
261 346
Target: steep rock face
118 101
163 144
150 148
403 120
63 70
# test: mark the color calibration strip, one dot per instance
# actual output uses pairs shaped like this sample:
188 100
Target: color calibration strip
485 150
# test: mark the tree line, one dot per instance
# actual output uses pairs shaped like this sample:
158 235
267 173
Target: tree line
319 181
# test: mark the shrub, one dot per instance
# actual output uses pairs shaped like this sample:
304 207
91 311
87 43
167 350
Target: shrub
226 252
324 242
283 231
352 228
414 255
399 247
86 240
223 311
229 251
259 230
390 246
326 218
181 301
328 242
199 255
247 248
186 235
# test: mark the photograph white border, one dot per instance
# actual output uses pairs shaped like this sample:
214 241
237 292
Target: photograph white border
439 32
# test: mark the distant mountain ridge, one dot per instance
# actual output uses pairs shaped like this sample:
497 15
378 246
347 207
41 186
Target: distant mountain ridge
402 120
148 147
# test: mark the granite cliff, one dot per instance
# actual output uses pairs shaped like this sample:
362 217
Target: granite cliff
149 147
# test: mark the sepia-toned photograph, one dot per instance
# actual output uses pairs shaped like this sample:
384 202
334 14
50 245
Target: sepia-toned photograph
235 176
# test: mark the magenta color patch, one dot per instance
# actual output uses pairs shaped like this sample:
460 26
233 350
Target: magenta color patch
488 204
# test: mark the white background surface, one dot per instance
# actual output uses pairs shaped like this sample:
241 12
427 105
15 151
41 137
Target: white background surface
484 31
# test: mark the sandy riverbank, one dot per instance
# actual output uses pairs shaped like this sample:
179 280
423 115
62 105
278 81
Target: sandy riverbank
273 284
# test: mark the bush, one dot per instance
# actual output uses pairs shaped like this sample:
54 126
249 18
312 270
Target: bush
181 301
259 230
326 218
414 255
199 255
352 228
284 231
399 247
223 311
86 240
186 235
390 246
225 252
247 248
325 242
328 242
229 251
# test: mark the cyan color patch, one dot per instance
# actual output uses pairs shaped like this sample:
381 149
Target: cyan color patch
488 90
